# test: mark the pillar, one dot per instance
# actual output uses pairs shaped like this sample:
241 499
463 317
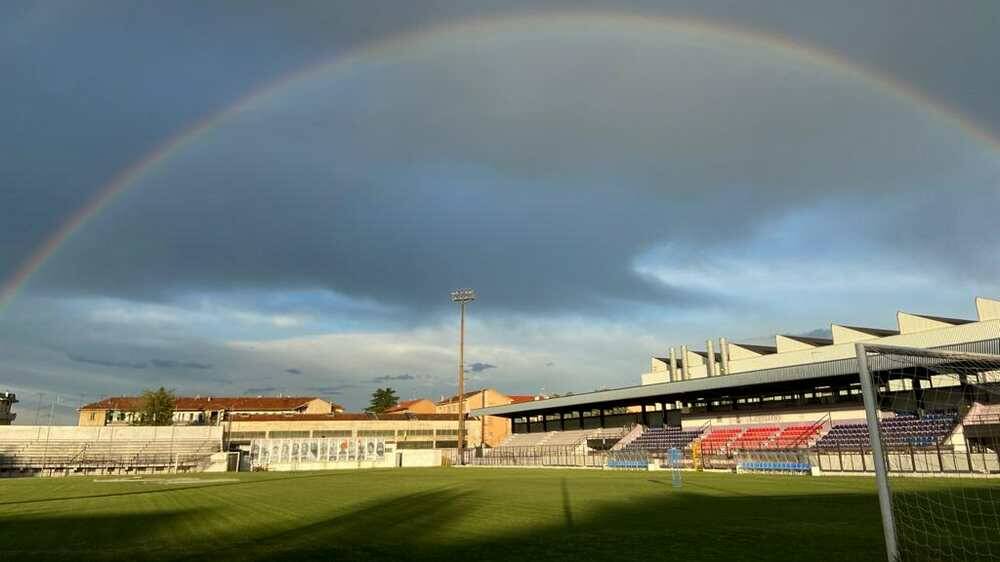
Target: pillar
724 355
918 394
710 352
673 365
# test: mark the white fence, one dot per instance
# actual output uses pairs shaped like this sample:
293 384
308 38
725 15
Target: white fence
318 453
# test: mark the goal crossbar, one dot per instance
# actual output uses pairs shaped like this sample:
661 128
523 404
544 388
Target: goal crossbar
931 353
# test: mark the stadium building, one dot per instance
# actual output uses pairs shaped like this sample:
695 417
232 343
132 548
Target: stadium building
801 395
794 406
492 430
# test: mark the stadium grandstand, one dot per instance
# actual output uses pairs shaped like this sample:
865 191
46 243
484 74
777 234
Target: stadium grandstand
74 450
793 406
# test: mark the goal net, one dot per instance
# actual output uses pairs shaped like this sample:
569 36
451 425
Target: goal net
932 413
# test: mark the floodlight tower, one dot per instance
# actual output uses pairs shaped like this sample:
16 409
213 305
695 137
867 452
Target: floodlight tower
462 297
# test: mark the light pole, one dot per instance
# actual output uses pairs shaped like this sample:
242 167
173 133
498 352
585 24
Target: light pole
462 297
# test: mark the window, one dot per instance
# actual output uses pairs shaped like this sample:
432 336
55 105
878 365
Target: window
376 433
332 433
248 435
93 416
281 434
416 445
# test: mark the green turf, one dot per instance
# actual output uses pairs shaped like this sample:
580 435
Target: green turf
447 514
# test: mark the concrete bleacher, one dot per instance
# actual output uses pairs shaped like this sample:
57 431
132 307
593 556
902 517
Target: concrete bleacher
52 451
569 438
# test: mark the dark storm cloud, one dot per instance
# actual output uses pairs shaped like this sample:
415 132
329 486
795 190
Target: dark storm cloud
479 367
107 362
538 207
261 390
157 363
538 172
331 390
175 364
539 195
387 378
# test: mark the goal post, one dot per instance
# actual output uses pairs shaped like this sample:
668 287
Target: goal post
932 413
878 455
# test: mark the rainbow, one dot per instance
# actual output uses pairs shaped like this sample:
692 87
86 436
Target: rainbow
474 28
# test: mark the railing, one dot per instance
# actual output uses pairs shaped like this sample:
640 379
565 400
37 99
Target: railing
539 455
932 459
629 437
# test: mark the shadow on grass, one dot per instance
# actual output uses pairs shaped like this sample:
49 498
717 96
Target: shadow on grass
669 524
89 536
164 488
678 525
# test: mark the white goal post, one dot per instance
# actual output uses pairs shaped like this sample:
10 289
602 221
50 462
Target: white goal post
933 412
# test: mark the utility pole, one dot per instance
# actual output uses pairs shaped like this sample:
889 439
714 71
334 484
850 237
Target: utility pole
462 297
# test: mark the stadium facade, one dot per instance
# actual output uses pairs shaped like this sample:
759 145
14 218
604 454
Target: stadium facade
802 394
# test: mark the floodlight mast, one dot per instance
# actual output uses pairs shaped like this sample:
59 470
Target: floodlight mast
462 297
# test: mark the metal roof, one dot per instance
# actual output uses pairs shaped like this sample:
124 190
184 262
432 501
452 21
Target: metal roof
662 391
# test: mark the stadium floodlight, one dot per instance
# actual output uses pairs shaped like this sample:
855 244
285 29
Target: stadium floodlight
462 297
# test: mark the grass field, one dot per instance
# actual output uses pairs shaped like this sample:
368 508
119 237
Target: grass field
446 514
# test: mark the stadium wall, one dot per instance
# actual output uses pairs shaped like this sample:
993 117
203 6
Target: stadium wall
39 433
416 433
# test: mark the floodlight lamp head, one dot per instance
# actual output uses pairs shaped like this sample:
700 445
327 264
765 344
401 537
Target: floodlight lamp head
463 295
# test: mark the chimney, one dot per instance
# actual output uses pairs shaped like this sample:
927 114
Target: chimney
685 373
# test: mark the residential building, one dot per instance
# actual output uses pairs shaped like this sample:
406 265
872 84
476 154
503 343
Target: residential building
204 410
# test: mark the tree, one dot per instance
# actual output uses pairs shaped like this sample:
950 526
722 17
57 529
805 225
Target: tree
157 407
382 400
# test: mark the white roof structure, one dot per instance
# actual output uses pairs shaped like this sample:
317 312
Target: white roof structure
793 358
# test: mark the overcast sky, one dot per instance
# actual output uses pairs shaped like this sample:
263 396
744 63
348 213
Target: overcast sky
611 180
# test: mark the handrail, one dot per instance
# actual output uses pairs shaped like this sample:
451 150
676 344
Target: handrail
818 425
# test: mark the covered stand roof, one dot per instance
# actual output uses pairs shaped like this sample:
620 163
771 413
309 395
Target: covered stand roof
767 380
